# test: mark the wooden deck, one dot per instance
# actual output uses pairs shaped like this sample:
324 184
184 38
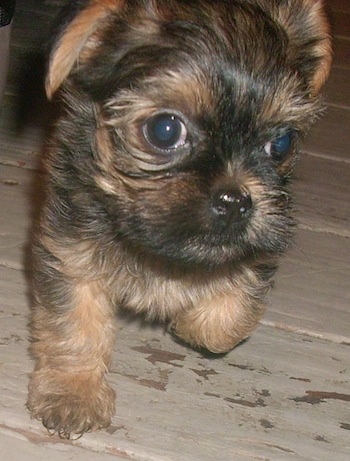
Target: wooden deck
282 395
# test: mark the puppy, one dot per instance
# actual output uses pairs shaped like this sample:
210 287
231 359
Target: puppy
166 185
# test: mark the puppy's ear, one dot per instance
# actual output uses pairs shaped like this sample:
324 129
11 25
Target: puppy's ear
308 30
74 39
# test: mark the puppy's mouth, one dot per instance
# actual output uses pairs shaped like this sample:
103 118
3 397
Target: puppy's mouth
231 227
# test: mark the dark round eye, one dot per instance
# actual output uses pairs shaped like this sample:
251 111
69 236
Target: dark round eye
165 131
280 147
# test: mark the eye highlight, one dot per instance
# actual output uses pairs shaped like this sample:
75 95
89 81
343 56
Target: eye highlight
165 131
280 147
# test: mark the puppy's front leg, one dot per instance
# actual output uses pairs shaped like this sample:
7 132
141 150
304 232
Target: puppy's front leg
217 325
220 322
72 338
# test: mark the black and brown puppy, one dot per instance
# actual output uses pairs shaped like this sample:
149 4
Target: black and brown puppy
166 180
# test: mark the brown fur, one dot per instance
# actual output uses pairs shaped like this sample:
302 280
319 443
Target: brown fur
70 46
74 353
128 224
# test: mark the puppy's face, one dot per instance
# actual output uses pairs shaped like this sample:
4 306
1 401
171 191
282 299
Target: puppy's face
197 109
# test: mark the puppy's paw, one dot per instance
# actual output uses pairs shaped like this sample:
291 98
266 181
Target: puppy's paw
219 324
198 333
70 405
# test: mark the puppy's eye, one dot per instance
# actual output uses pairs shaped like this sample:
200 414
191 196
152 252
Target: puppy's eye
280 147
165 131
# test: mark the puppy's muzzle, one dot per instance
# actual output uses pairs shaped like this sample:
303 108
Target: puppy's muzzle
231 204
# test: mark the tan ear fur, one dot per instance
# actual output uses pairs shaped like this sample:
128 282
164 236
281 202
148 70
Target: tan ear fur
308 19
75 36
324 48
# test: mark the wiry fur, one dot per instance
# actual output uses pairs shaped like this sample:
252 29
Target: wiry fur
127 226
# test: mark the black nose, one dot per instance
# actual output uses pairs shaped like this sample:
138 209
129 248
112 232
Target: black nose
231 204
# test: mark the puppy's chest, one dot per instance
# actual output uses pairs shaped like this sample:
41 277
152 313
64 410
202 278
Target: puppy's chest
161 295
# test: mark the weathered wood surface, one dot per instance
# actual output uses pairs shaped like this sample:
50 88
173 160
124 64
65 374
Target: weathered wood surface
282 395
278 396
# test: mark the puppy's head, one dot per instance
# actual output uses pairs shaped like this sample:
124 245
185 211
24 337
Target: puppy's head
197 108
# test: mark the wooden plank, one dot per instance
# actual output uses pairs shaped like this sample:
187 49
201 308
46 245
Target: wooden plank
342 6
22 445
341 24
321 189
18 193
337 90
341 53
278 396
20 154
312 287
330 137
21 134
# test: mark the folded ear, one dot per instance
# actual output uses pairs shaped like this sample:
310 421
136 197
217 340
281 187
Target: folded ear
308 30
74 40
